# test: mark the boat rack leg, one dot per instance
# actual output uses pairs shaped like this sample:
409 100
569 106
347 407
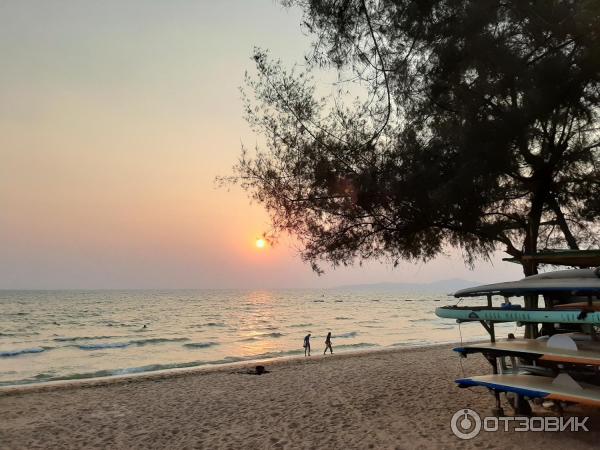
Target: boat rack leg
489 327
497 411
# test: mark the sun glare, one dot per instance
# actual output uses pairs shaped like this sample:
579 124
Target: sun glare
260 243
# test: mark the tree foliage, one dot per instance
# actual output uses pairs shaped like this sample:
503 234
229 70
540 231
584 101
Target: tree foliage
477 129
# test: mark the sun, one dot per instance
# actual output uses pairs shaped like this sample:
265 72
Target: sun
260 243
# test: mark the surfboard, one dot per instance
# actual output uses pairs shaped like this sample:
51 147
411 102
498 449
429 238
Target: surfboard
574 282
532 386
532 315
588 353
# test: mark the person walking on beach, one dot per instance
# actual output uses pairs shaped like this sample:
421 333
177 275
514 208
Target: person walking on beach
328 344
307 344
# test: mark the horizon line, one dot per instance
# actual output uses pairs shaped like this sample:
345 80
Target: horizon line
341 286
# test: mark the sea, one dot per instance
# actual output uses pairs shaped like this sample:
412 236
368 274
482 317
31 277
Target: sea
67 335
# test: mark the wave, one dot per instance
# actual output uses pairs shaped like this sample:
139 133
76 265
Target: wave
82 338
412 343
350 334
157 340
201 344
359 345
262 335
45 377
208 324
267 355
301 325
118 324
24 351
273 335
137 342
103 346
343 318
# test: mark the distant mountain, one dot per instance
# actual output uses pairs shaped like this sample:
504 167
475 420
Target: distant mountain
441 286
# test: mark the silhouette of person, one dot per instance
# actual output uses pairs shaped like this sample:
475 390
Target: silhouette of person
328 344
307 344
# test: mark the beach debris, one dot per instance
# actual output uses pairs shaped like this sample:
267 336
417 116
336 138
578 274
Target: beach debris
258 370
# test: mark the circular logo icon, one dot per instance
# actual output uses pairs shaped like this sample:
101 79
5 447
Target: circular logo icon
465 424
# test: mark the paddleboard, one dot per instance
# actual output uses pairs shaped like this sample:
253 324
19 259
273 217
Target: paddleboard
573 282
532 386
533 315
588 353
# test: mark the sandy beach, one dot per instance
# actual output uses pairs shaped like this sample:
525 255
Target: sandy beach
400 399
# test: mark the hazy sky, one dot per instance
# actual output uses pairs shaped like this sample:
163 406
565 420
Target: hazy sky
115 117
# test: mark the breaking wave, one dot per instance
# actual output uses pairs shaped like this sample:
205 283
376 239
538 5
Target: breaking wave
201 344
23 351
138 342
350 334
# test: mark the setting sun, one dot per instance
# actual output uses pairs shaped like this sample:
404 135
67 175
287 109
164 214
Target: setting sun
260 243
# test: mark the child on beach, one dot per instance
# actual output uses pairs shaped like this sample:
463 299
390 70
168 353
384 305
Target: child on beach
307 344
328 344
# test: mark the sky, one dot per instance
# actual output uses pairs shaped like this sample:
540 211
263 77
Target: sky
115 118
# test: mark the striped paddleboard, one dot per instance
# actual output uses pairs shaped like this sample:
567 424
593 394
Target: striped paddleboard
531 386
537 315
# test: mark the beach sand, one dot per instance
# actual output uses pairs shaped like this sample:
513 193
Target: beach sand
401 399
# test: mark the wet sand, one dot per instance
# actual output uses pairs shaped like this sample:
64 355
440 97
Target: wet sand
400 399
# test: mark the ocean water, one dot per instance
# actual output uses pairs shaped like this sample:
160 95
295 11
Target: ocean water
62 335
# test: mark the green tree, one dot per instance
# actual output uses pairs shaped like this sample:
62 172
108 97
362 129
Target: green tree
477 128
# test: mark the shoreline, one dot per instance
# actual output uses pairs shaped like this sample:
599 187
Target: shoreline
392 398
202 369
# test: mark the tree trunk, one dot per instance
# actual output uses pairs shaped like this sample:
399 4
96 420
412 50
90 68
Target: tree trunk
531 267
562 223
